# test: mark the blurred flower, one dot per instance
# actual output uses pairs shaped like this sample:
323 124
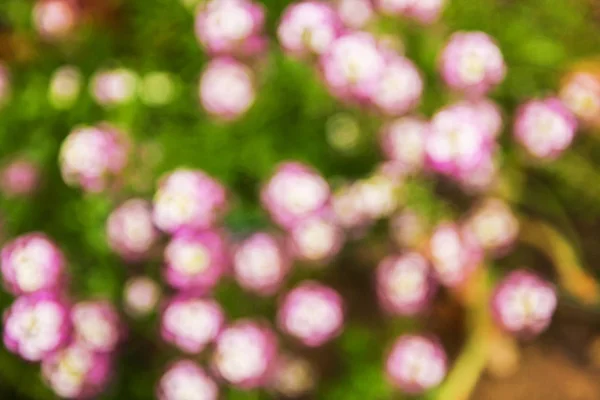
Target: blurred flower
97 325
130 230
347 207
403 141
4 83
65 86
379 194
353 66
114 87
89 156
36 325
294 376
453 256
545 127
32 263
230 26
312 313
343 132
185 380
488 113
492 225
195 260
472 62
581 94
19 178
141 296
308 27
191 323
399 88
77 372
524 303
157 88
408 229
355 14
188 199
227 88
245 353
55 19
316 238
404 283
423 11
481 178
416 364
294 192
261 263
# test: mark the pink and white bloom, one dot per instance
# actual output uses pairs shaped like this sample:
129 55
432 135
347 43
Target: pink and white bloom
472 63
403 142
355 14
55 19
545 127
77 372
188 199
308 27
32 263
91 156
416 364
312 313
96 325
316 239
523 303
379 192
353 66
581 95
130 230
19 178
195 260
185 380
36 325
261 263
452 255
245 354
294 376
227 88
423 11
190 323
230 26
404 283
488 113
399 88
492 225
482 177
141 295
294 192
114 87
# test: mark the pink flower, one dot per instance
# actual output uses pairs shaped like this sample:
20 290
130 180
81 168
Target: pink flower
191 323
141 296
404 283
36 325
185 380
416 364
399 88
32 263
188 199
312 313
353 66
545 127
261 263
77 372
130 229
316 238
114 87
227 88
97 325
403 141
488 113
230 26
245 353
423 11
524 303
581 95
195 260
19 178
294 192
355 14
347 208
481 177
54 19
379 192
90 156
492 225
308 27
294 376
472 63
453 256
